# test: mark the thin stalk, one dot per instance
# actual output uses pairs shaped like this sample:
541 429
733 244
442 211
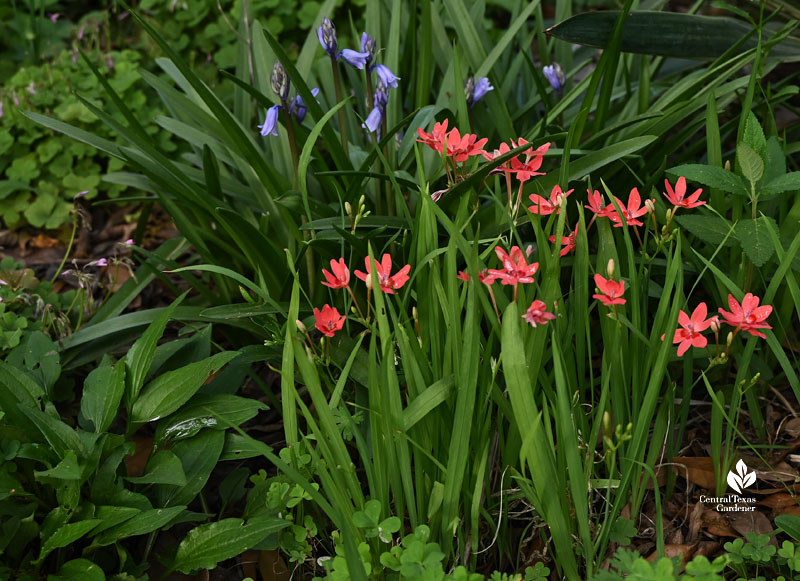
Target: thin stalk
342 118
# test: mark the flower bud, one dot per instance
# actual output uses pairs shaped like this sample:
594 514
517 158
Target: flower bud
606 422
327 36
368 46
670 212
348 208
610 268
728 165
469 89
279 81
651 207
729 340
300 326
555 76
714 326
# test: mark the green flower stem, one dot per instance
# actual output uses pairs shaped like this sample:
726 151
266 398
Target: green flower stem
342 119
292 143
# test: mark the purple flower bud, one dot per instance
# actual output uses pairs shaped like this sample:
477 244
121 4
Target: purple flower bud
387 76
1 109
555 76
482 87
271 121
279 81
98 262
373 121
3 283
368 45
354 58
381 97
298 107
81 194
110 62
53 17
327 36
129 242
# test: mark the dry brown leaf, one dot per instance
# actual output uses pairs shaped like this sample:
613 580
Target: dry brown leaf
792 510
780 472
272 566
44 241
746 522
779 501
716 524
136 462
695 521
792 427
699 471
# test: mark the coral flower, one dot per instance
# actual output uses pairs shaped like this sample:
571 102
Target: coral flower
537 314
692 327
568 242
596 204
328 320
436 138
340 277
462 147
388 283
533 161
611 291
515 267
546 207
483 276
630 213
676 197
748 316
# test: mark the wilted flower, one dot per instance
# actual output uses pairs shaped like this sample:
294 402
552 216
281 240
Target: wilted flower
327 36
386 76
270 125
555 76
279 81
537 314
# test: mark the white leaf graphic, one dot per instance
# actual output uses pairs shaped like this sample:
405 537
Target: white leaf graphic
734 482
749 480
741 469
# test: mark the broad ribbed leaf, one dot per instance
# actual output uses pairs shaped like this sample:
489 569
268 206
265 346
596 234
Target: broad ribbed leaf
207 411
755 240
789 182
162 468
713 177
169 391
751 163
141 524
665 33
66 535
206 545
82 569
710 228
102 394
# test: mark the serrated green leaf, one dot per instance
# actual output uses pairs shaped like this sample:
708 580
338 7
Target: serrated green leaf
755 240
788 182
754 136
166 393
713 177
711 229
751 163
163 467
206 545
102 394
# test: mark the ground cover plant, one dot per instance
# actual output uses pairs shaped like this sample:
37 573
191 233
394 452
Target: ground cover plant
521 308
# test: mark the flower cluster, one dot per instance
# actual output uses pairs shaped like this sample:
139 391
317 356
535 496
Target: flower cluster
747 316
327 38
515 270
451 143
628 213
328 320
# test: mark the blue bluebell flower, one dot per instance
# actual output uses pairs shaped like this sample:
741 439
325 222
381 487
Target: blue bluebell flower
279 81
368 46
354 58
386 75
298 107
381 97
373 120
327 36
555 76
475 90
270 125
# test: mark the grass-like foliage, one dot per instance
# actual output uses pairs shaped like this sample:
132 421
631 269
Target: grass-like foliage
492 283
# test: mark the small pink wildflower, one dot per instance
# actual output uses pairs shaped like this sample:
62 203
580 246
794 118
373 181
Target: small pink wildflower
610 291
328 320
748 316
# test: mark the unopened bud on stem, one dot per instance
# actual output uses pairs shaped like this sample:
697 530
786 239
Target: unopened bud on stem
279 81
610 268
